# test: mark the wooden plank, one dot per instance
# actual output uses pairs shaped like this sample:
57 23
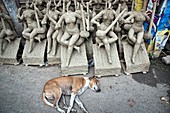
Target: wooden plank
12 10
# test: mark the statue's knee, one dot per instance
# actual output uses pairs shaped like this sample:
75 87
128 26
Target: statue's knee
71 45
53 37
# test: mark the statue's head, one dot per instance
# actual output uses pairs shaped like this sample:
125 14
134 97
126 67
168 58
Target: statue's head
38 2
27 4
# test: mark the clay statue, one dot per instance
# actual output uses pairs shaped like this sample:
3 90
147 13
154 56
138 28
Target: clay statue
40 7
68 2
105 36
136 31
32 29
84 34
5 33
52 33
71 32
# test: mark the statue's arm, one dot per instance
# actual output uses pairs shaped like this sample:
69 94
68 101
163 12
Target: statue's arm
61 20
52 20
78 16
6 16
93 20
21 17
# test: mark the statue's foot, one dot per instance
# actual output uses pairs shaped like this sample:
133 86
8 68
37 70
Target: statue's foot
133 60
8 40
54 53
38 38
67 63
30 50
48 51
78 49
110 61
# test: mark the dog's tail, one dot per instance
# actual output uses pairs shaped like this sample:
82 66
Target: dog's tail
44 98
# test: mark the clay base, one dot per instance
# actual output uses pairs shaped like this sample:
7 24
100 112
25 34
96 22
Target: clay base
54 59
9 56
78 63
102 66
142 62
36 56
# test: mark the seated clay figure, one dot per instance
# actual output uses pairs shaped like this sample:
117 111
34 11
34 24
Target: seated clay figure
71 32
107 15
32 29
52 33
136 30
6 33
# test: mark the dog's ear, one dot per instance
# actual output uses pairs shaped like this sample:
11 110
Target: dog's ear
90 78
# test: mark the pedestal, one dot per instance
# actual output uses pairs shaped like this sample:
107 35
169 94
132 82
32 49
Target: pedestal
142 62
102 66
36 56
9 55
78 62
54 59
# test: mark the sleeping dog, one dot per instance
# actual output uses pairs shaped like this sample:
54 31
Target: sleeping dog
56 88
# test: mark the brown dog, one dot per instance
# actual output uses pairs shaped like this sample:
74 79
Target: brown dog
56 88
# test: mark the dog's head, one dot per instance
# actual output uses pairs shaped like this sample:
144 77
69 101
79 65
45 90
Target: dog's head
94 84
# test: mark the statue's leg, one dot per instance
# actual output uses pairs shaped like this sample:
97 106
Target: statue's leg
72 41
80 41
60 34
99 41
10 37
54 45
113 37
131 35
107 48
137 45
49 36
64 39
26 33
2 34
32 36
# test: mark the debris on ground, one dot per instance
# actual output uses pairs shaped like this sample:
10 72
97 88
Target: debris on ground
131 102
166 59
165 99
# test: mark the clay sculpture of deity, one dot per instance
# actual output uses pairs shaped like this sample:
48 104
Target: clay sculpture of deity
6 33
136 31
105 34
71 32
32 29
52 33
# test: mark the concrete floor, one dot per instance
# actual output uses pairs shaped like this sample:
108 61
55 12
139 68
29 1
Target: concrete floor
21 87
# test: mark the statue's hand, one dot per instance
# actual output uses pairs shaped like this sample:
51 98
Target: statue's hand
57 26
98 25
84 34
35 8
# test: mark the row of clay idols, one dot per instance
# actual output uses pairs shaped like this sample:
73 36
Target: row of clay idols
71 28
7 34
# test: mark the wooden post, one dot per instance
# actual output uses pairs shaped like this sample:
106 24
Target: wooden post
12 8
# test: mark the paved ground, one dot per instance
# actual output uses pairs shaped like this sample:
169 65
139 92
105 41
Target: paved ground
21 87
